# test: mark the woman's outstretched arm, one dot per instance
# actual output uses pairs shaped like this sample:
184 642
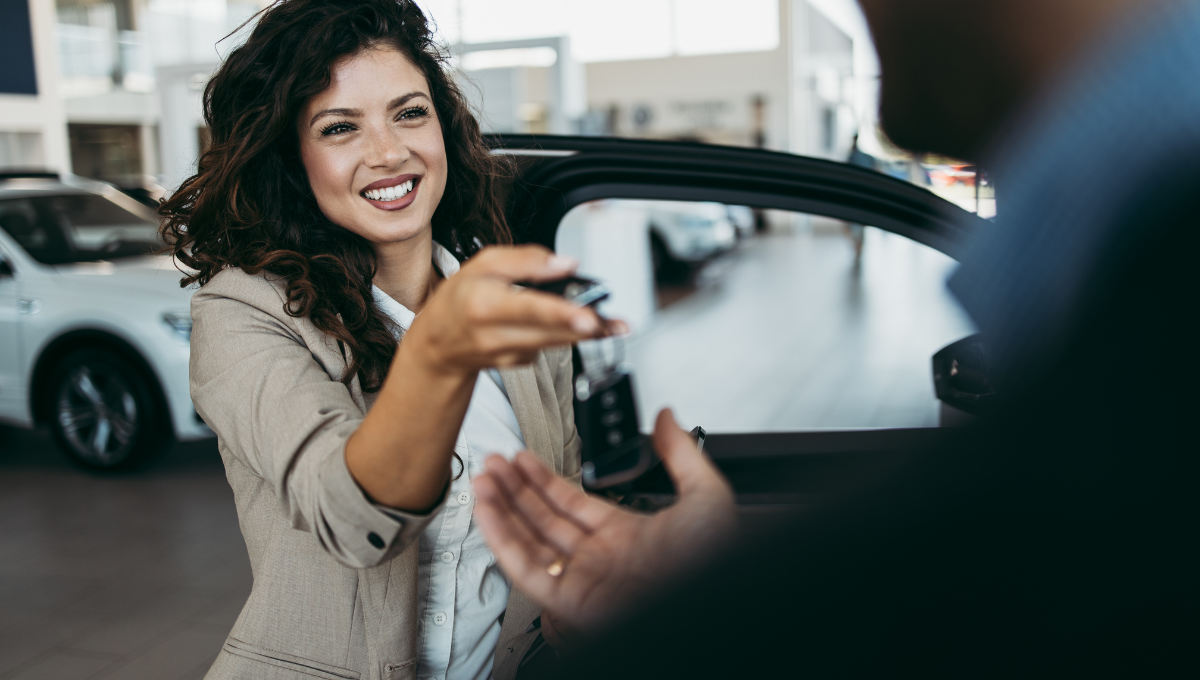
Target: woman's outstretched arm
400 455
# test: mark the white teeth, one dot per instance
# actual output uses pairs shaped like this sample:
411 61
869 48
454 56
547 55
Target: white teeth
390 193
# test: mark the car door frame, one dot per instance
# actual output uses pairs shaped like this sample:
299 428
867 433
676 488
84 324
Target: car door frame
553 174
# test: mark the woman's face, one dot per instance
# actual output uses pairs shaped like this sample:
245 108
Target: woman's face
372 147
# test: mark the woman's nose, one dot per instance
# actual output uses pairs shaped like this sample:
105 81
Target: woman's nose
385 149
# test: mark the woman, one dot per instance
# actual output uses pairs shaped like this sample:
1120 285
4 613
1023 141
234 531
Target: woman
345 183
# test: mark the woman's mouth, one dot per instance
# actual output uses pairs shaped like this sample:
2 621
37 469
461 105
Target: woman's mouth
393 197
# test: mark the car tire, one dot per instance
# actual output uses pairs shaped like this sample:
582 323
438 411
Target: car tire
104 415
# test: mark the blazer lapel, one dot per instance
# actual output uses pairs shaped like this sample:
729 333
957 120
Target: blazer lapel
526 399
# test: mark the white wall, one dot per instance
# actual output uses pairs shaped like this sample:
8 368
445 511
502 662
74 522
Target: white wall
688 94
42 115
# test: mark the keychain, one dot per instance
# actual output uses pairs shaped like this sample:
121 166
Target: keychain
614 450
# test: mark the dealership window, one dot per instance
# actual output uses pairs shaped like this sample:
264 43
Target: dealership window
112 153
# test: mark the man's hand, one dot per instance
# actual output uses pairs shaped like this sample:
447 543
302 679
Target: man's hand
609 555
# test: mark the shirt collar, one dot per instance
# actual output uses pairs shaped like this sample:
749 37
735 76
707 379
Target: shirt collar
446 263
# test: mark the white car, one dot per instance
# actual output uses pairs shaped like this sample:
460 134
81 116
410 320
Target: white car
684 234
94 328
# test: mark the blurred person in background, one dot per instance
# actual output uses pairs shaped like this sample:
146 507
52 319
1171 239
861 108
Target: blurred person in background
1057 537
347 201
857 232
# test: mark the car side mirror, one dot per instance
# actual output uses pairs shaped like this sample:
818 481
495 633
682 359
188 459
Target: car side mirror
961 378
5 268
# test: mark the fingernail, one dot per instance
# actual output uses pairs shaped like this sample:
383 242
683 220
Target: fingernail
586 324
562 263
618 327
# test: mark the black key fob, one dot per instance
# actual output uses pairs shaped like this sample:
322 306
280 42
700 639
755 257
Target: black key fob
614 449
577 289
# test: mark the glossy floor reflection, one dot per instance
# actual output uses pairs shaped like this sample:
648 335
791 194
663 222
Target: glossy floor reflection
134 576
785 333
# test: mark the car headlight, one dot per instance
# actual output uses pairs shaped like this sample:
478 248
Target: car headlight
180 323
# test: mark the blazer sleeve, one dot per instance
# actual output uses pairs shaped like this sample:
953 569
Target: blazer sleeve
564 389
277 410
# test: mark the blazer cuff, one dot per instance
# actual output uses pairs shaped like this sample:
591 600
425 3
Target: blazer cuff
368 534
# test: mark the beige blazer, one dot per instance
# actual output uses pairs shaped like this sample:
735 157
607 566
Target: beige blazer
335 578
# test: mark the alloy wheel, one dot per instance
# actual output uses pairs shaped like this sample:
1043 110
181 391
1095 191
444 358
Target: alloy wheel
97 414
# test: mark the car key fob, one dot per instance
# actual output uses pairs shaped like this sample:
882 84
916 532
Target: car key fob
582 291
614 451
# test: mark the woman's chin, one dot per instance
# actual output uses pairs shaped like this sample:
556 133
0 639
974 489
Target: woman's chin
392 234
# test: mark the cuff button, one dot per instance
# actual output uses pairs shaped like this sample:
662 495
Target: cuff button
375 540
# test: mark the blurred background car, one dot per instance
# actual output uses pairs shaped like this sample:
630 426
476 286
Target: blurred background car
94 327
684 235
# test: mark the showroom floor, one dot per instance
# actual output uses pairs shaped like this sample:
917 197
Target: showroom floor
136 576
141 575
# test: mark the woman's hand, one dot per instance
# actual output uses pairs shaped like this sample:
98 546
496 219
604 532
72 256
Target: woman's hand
479 319
606 556
400 455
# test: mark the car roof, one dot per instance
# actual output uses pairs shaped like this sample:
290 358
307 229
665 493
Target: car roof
28 185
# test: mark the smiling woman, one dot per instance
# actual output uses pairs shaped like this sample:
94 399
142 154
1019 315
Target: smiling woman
356 301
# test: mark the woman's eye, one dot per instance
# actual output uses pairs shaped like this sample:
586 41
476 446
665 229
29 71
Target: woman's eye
414 112
337 129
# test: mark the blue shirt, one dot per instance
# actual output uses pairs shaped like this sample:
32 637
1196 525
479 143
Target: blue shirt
1069 178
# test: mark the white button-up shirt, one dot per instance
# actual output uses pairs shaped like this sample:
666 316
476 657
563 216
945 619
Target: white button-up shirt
461 591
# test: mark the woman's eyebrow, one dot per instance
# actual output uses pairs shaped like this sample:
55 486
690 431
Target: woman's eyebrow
348 113
404 99
351 113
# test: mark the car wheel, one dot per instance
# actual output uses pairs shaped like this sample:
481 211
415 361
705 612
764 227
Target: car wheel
105 416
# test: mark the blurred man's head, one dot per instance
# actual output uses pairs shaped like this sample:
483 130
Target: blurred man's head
956 71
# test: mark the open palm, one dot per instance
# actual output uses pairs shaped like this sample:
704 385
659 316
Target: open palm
610 555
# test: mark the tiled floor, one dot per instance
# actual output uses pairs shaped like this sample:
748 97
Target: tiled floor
137 576
140 576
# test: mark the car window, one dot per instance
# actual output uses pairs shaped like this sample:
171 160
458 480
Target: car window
76 228
753 320
43 240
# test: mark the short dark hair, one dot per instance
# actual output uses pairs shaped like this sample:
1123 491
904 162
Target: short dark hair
250 205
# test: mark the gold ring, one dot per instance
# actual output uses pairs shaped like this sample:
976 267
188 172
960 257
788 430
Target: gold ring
556 567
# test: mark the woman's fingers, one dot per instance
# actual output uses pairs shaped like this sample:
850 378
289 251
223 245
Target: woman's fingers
521 263
559 530
524 307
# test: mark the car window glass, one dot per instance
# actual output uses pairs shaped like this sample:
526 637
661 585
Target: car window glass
76 228
97 225
752 320
43 240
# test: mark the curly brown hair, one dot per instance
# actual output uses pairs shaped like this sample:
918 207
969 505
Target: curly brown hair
250 206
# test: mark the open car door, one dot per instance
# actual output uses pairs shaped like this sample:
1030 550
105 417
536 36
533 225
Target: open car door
773 468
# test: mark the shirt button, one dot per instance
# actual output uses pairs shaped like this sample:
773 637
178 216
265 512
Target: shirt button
439 619
447 556
463 498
